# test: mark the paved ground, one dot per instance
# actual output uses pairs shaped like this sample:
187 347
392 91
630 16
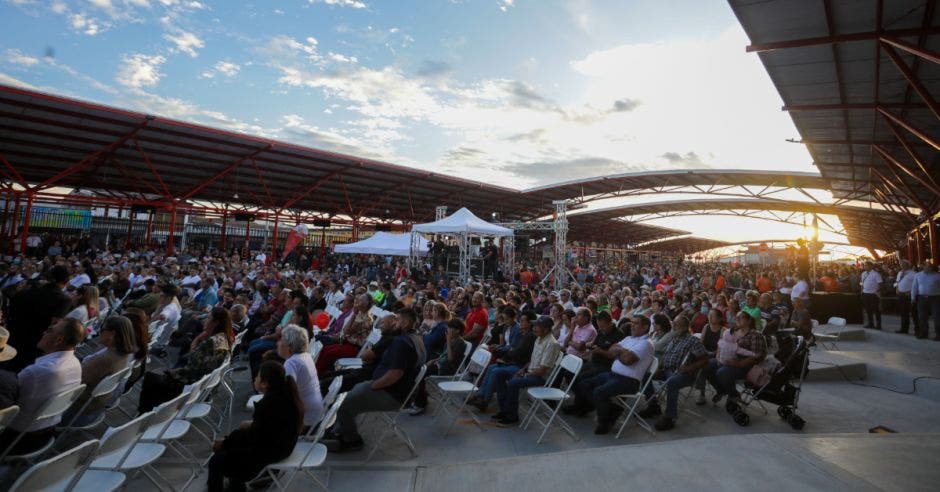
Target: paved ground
833 451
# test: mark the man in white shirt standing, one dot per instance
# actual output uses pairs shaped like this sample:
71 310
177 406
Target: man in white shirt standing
56 371
905 280
926 291
871 295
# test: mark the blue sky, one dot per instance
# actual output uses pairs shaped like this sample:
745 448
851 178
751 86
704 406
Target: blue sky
517 93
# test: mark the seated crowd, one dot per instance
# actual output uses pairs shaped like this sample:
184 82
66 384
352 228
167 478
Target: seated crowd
190 313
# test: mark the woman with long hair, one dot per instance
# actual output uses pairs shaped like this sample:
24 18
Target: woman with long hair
208 355
118 343
88 306
140 321
269 437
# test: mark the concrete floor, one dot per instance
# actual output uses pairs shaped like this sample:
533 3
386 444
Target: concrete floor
833 452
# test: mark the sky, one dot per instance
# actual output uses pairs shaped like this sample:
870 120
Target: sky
517 93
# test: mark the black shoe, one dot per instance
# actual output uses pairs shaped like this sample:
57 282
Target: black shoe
602 428
717 398
904 332
497 417
341 446
665 423
479 403
507 421
870 327
651 410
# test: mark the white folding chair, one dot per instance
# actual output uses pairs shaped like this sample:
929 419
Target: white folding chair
7 415
122 451
624 401
542 394
69 472
356 362
165 428
828 341
451 390
202 408
391 421
103 390
333 391
307 456
54 406
315 348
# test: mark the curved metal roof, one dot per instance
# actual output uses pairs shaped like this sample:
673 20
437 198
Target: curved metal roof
858 79
47 140
864 226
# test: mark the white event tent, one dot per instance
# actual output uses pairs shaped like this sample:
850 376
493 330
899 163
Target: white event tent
463 224
384 243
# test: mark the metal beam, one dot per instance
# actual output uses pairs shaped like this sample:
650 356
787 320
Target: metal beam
230 168
911 48
912 79
911 128
850 106
841 38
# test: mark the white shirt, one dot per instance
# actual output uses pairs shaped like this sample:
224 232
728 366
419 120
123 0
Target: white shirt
304 371
871 281
568 305
925 284
261 257
49 375
800 290
192 279
80 280
335 298
33 241
643 349
905 281
171 311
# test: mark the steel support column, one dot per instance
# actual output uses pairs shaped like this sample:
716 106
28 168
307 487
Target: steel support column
169 237
355 228
224 225
6 215
934 241
130 227
26 216
149 229
16 215
277 217
919 243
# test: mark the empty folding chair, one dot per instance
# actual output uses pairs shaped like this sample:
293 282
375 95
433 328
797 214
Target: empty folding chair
103 390
457 390
307 456
68 472
54 406
202 408
315 348
165 428
391 421
542 394
356 362
122 451
624 401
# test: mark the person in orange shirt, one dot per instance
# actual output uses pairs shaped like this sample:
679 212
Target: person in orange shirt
719 281
764 284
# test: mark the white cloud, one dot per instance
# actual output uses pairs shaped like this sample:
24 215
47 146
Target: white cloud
342 58
356 4
185 42
8 80
225 68
505 5
17 57
88 25
140 70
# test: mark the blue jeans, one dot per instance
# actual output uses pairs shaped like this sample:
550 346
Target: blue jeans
598 390
508 389
722 378
493 374
675 381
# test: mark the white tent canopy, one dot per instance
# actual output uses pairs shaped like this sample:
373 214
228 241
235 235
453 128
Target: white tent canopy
463 222
384 243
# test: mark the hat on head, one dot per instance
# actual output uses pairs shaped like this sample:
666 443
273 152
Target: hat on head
7 352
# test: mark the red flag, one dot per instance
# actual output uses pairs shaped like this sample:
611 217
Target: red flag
295 237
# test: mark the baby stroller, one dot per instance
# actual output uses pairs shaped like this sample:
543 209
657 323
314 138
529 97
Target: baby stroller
783 388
